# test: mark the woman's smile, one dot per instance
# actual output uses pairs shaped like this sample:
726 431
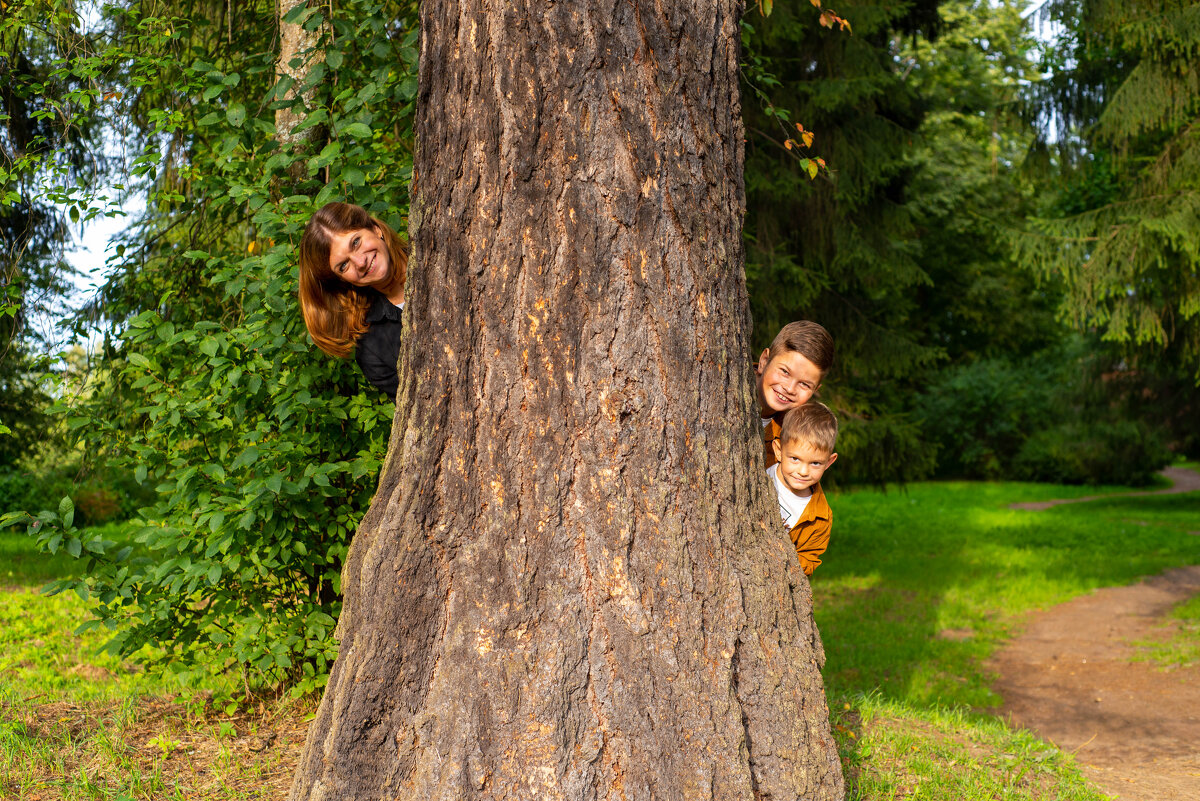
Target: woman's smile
359 257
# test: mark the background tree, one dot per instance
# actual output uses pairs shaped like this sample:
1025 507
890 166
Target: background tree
44 139
567 584
844 252
1122 112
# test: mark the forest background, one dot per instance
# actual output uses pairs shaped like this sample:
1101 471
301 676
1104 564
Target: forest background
998 226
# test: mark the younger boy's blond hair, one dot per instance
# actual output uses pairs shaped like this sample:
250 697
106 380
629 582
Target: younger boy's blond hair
812 423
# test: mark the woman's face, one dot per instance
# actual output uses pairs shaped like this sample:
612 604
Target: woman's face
360 257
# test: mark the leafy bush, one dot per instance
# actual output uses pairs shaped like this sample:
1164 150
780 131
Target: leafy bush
1056 416
1122 452
262 453
100 497
980 414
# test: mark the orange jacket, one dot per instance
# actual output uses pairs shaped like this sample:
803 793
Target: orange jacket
810 535
770 433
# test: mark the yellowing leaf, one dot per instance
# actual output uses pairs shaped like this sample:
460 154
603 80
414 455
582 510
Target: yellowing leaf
812 169
808 138
250 248
788 144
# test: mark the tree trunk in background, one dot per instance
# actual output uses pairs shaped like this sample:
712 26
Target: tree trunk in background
300 46
566 587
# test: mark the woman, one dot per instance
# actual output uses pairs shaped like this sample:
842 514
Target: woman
352 272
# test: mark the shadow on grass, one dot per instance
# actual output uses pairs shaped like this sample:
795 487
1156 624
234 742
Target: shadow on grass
920 586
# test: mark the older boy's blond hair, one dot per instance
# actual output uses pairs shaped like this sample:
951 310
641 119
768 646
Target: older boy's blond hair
807 338
811 423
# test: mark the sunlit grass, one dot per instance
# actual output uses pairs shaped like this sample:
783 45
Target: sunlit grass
920 586
891 750
1180 647
79 723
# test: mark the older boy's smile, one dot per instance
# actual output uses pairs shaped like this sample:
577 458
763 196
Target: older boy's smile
784 381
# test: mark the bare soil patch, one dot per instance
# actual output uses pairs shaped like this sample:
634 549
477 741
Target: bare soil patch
1070 678
1182 480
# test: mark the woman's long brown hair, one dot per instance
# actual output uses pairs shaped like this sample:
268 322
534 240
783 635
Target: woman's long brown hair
334 310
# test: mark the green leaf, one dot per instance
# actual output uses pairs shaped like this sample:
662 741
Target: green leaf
297 14
236 114
74 547
358 130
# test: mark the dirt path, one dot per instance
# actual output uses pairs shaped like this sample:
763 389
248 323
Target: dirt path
1134 728
1182 480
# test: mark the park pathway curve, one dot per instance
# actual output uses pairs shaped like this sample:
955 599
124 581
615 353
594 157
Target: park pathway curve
1070 678
1182 480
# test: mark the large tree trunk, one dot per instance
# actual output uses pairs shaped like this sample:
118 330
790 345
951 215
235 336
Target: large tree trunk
566 587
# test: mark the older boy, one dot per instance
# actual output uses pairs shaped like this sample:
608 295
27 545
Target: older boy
789 372
803 452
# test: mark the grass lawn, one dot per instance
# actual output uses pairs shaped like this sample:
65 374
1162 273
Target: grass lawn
918 588
1180 647
77 723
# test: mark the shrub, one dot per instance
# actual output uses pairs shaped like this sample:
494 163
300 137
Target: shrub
980 414
262 454
1122 452
1057 416
100 497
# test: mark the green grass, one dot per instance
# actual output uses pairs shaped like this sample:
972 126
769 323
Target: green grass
79 723
891 751
919 586
1180 647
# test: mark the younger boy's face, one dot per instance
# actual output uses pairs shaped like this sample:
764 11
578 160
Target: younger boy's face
785 381
801 465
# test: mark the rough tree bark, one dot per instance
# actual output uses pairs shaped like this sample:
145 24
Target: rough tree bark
566 587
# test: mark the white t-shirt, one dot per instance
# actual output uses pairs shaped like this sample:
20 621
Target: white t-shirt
791 505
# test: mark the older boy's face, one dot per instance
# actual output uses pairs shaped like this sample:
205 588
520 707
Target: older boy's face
783 382
801 465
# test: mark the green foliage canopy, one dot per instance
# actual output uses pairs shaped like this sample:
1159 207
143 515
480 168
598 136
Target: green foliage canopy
263 452
1124 104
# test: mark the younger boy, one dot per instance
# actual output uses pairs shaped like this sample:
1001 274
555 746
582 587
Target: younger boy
789 372
803 452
